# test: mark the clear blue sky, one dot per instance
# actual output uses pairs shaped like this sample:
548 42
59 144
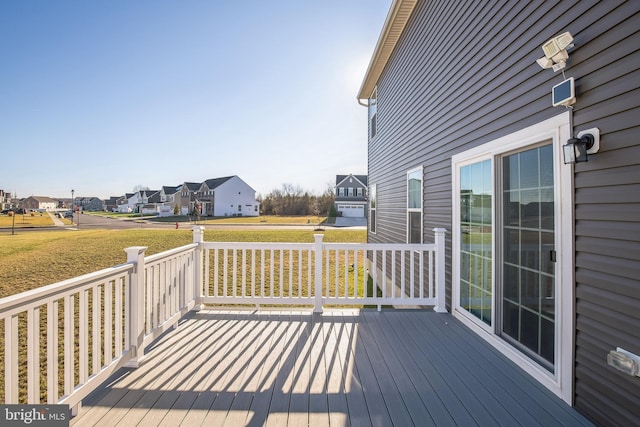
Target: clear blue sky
104 96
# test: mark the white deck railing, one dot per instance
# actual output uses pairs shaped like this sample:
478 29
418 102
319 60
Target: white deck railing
63 340
322 274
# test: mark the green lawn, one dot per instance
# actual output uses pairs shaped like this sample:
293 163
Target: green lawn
34 259
263 219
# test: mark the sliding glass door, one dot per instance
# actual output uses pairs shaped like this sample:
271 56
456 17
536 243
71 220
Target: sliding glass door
528 252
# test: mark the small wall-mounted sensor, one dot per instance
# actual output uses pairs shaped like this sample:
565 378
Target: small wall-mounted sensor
624 361
564 93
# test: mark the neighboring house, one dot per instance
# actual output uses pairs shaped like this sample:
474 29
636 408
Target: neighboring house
39 203
90 204
351 195
154 204
169 201
227 196
543 257
111 204
187 197
136 202
127 203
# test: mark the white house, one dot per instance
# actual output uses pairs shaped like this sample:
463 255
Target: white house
227 196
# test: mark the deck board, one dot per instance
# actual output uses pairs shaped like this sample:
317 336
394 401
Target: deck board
341 368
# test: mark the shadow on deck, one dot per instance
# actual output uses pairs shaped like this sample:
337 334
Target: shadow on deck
396 367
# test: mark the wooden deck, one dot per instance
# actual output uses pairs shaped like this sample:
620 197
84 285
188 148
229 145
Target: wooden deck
396 367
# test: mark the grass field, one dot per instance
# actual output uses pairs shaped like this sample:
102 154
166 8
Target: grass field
38 258
26 220
264 219
34 259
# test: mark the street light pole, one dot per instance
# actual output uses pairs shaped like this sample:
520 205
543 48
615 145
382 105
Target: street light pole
73 206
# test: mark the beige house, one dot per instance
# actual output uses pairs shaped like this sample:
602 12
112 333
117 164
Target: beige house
39 203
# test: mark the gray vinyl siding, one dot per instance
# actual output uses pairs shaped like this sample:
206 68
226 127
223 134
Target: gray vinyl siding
607 217
434 103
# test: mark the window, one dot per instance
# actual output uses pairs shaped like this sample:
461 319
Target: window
414 205
341 191
476 239
350 192
513 249
373 113
360 192
372 208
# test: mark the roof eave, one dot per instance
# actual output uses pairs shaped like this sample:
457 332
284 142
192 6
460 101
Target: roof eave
394 25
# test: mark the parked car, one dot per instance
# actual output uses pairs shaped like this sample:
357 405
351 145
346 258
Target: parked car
68 214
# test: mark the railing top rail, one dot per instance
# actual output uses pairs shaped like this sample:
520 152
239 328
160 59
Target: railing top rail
45 293
170 253
383 246
326 245
257 245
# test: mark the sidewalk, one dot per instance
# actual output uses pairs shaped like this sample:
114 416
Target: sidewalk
350 222
56 220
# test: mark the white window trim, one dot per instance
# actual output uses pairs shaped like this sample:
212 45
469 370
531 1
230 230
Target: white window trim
373 219
556 129
410 171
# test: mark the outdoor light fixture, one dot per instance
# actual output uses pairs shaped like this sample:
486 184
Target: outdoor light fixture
555 52
577 150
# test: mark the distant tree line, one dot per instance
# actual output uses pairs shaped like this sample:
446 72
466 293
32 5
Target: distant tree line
293 200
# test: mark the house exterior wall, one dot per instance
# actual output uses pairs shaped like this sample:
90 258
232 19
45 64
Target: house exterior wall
464 74
347 201
35 203
233 193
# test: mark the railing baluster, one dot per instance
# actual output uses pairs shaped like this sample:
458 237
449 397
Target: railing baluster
96 328
33 355
244 273
83 337
310 274
375 270
225 269
118 318
253 272
262 256
291 270
52 352
108 322
11 359
393 276
234 274
403 260
126 282
421 274
300 259
68 344
281 276
271 272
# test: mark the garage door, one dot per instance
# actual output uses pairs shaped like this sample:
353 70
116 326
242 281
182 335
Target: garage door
352 211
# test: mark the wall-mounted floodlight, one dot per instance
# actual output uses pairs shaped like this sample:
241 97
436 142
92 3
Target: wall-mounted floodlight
555 52
577 150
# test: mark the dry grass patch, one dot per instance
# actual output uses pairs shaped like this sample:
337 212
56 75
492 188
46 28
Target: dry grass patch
34 259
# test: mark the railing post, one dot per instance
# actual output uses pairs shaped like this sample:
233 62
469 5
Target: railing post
198 237
440 306
317 308
135 255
